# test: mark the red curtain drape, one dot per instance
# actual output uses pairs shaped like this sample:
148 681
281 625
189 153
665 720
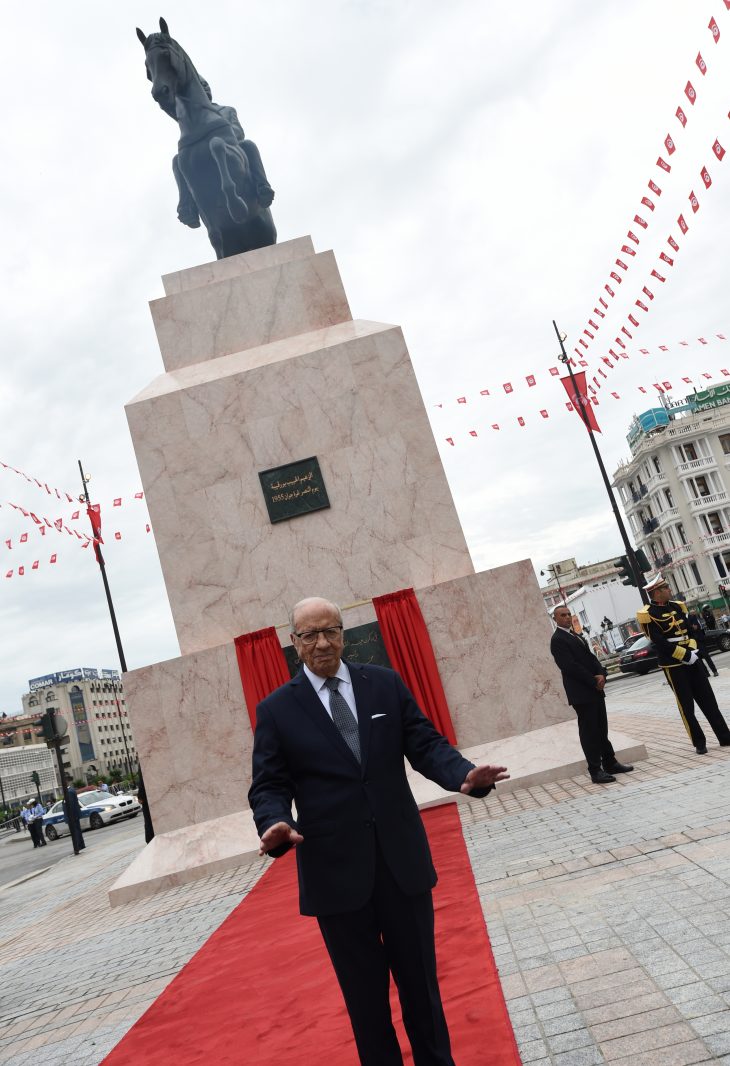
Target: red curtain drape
262 665
410 651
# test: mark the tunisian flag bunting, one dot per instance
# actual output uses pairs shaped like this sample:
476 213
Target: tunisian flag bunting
669 143
718 149
94 513
714 29
690 93
577 394
681 116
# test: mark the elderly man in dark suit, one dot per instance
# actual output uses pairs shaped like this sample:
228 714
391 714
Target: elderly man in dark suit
584 680
333 741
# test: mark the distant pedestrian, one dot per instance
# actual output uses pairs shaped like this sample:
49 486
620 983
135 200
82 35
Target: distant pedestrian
72 814
35 824
103 787
25 818
708 617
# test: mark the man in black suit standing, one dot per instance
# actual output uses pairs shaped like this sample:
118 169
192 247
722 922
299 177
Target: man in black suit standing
584 680
333 740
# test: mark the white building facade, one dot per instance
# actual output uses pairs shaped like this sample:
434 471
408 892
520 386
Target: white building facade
675 491
16 766
93 705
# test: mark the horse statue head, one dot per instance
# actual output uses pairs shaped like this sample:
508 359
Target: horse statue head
220 176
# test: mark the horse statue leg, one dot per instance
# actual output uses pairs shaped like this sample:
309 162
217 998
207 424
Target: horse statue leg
222 152
187 211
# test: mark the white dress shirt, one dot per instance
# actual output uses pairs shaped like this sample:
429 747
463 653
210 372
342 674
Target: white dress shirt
345 689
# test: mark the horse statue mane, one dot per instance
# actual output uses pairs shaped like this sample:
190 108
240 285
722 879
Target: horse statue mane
219 173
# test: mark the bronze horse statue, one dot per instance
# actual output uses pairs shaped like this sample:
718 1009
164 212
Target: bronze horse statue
219 174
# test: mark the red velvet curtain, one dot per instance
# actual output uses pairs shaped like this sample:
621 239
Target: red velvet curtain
262 665
409 649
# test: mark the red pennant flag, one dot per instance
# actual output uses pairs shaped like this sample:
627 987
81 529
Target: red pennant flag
461 399
620 343
629 335
484 392
568 405
544 414
704 376
687 380
665 258
667 385
672 243
669 144
647 202
472 433
658 387
681 116
663 348
616 277
702 340
642 389
35 565
578 397
138 495
632 237
9 573
609 290
592 323
530 379
701 64
521 420
449 440
118 502
655 188
23 538
507 387
665 166
656 274
615 396
603 303
53 558
714 29
718 149
629 251
36 519
58 524
690 93
695 203
596 311
620 262
632 320
705 175
69 498
589 334
554 371
640 221
648 293
682 224
495 425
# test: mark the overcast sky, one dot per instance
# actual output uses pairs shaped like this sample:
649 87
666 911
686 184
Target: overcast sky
474 166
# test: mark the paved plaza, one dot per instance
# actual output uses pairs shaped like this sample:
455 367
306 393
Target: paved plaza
608 908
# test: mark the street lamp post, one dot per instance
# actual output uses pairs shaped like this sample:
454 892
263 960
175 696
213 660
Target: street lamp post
630 554
130 771
554 572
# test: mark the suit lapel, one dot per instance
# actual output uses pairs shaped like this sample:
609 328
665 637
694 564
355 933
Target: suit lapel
311 703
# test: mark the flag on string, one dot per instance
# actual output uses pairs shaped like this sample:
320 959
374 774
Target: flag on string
647 202
449 440
701 64
609 290
461 399
530 379
694 202
714 29
681 116
667 385
690 92
138 495
702 340
665 166
554 371
579 401
35 565
629 335
640 221
495 425
603 303
687 381
629 251
632 237
665 258
507 387
672 243
484 392
705 175
23 538
642 389
725 373
718 149
472 433
597 311
616 277
682 224
53 558
521 420
589 334
632 320
656 274
648 293
669 144
620 342
544 414
655 188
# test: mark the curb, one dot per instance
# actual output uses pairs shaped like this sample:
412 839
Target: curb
28 877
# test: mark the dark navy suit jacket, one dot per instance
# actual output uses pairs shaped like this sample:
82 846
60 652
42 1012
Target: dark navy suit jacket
579 667
299 756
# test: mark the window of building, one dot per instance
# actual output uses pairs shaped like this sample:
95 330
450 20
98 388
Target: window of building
719 565
712 522
657 464
682 535
688 452
724 439
695 573
669 497
700 486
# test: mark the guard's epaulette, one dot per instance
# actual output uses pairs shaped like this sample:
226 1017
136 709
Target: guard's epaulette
643 616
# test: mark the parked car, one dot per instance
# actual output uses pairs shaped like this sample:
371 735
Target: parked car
97 809
641 657
630 640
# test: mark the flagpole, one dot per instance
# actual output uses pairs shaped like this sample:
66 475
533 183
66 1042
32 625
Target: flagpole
630 555
149 831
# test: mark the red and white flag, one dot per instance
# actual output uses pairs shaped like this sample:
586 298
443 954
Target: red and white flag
507 387
620 263
35 565
544 414
655 188
579 401
672 243
609 290
641 388
619 342
632 237
648 292
681 116
596 311
603 303
554 371
629 251
472 433
657 275
690 92
682 224
663 348
581 341
714 29
647 202
594 324
665 166
667 385
616 277
669 144
449 440
53 558
138 495
667 259
632 320
694 202
521 420
705 175
461 399
589 334
718 149
629 335
702 340
615 396
640 221
495 425
23 538
701 63
484 392
687 381
530 379
644 351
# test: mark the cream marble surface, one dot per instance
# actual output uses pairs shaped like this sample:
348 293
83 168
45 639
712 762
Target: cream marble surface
184 855
249 309
346 394
232 265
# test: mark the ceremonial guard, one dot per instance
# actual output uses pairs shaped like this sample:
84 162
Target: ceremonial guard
664 621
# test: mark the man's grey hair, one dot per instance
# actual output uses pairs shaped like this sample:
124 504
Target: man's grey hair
305 602
559 608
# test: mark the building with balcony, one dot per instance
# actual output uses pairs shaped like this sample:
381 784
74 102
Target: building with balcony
100 737
567 576
675 491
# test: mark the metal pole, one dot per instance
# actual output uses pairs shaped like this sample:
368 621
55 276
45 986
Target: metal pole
64 786
124 735
149 830
631 557
2 792
557 582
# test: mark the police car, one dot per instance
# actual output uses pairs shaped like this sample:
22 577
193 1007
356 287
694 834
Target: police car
97 809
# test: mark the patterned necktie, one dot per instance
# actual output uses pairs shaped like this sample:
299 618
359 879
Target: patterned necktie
343 717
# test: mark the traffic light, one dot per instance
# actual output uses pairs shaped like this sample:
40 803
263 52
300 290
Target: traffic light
47 733
624 571
644 564
35 778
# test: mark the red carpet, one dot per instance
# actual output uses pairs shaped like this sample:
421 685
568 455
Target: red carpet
261 992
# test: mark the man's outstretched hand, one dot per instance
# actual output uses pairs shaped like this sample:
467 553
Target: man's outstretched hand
481 777
277 835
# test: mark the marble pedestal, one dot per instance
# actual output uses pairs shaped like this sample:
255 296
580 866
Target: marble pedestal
265 366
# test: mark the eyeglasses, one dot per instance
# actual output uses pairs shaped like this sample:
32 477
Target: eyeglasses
309 638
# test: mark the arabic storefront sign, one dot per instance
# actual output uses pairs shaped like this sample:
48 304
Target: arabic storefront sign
715 396
294 489
363 644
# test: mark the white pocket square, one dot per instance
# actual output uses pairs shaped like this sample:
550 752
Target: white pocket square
378 715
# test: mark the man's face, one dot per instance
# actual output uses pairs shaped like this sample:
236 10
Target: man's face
563 617
322 654
661 595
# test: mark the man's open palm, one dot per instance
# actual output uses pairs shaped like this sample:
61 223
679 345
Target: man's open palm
278 835
483 777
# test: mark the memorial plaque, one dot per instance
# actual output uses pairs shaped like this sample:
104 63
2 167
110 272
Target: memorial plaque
363 644
294 489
